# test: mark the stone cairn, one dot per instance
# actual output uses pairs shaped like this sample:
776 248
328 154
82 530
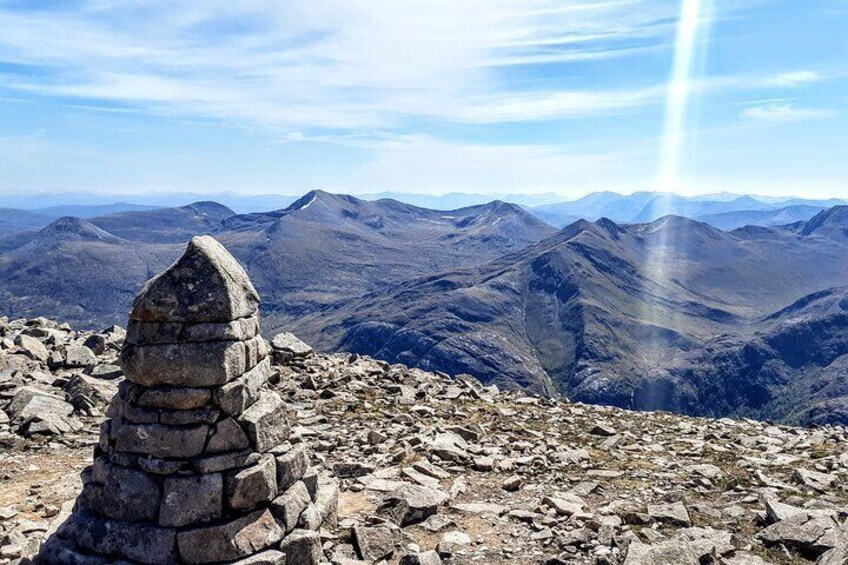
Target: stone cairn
194 464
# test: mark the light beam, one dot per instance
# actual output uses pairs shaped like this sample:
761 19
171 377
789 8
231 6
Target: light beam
665 241
694 21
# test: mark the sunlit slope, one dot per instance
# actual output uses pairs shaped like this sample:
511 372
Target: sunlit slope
581 314
324 249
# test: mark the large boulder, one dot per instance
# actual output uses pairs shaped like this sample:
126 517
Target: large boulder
37 411
32 348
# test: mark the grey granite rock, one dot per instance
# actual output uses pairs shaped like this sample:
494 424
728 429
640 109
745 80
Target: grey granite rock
238 395
139 542
230 541
160 440
206 284
288 507
127 494
266 422
227 436
291 466
253 486
191 499
302 547
173 398
191 364
32 347
411 504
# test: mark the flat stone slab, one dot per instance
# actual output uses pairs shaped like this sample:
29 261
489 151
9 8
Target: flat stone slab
411 504
160 440
32 347
191 364
136 541
671 552
270 557
152 333
37 411
480 508
674 513
290 343
231 541
167 398
30 402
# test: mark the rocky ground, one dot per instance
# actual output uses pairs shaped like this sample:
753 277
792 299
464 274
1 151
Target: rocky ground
436 469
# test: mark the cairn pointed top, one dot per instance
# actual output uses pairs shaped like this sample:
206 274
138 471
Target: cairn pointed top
206 284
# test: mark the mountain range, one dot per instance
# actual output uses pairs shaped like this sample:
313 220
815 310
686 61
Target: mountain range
13 221
670 313
722 211
322 249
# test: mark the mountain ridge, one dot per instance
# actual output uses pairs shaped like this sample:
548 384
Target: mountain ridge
579 313
166 225
599 311
332 250
723 211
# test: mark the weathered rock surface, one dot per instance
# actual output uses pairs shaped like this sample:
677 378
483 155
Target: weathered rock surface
511 478
185 471
472 474
206 284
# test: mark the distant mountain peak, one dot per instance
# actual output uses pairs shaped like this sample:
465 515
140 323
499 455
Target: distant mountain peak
747 200
304 201
318 196
673 221
836 217
610 226
208 207
69 228
501 206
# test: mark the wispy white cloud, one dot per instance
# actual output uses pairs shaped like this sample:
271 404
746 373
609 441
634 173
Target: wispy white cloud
343 64
780 112
795 78
354 85
554 104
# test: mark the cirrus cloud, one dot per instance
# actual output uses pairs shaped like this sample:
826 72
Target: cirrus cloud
780 112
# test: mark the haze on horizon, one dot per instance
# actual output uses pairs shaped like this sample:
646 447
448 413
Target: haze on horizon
364 96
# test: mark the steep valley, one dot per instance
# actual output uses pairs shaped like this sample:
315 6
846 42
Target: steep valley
661 315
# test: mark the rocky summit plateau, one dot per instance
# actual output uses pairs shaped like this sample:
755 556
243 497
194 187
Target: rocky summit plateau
189 438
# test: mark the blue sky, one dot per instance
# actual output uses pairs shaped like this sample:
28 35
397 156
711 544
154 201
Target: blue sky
435 96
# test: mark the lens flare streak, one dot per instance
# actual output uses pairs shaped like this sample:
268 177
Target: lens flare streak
693 24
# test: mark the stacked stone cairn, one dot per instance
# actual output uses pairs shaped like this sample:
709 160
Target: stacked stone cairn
194 464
